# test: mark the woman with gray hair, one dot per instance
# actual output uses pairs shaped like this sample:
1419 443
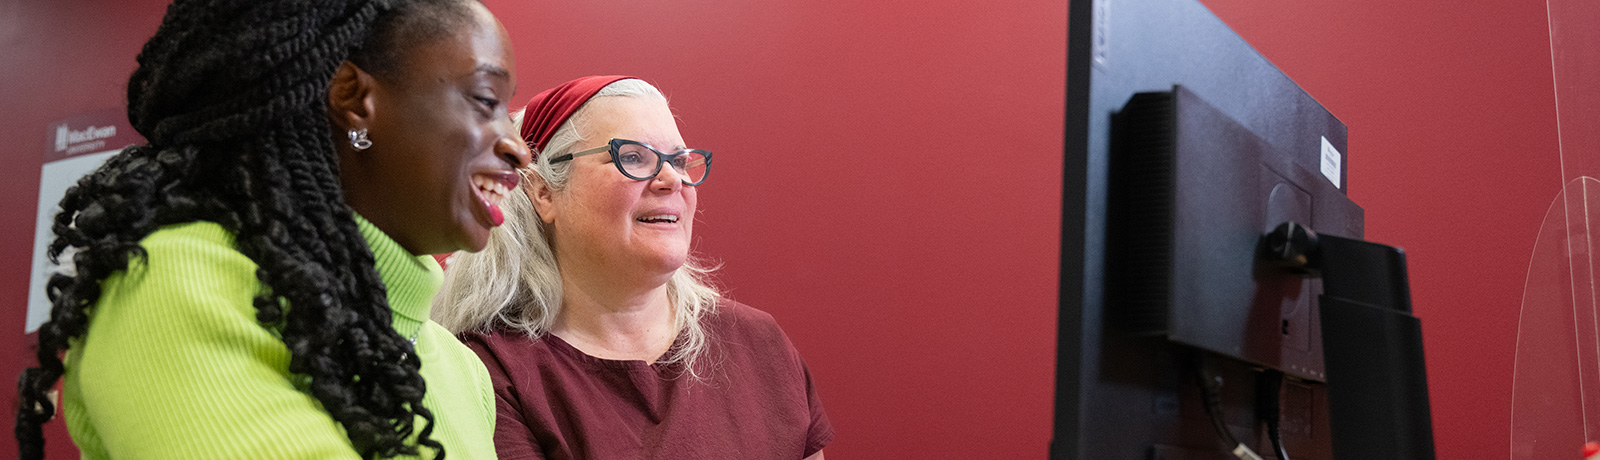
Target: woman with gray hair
602 336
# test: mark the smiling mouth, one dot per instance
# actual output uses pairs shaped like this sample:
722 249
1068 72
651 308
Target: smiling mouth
659 219
491 190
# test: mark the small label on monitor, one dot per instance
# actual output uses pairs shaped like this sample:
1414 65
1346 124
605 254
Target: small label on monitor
1098 37
1331 161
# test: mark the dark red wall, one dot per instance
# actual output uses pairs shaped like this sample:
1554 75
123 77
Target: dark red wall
57 59
887 185
887 182
1453 153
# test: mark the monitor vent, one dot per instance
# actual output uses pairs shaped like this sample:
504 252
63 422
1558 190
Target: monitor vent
1141 194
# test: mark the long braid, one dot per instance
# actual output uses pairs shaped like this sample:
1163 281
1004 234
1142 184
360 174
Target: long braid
232 96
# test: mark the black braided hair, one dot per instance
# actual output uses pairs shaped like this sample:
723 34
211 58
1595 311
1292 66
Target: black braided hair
232 98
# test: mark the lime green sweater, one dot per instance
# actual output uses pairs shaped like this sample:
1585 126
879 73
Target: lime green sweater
175 365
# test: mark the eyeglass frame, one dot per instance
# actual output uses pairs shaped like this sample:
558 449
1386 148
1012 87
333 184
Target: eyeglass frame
615 144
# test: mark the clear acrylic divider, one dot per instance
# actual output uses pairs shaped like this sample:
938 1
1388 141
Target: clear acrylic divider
1556 380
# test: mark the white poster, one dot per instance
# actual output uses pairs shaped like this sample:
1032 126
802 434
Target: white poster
76 147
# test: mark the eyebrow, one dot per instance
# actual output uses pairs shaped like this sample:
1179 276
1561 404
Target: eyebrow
494 70
663 150
497 71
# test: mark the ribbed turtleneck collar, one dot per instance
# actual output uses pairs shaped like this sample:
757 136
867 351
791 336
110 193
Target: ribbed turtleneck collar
411 280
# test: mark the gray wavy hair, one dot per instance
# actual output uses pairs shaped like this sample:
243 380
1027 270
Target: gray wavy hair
515 282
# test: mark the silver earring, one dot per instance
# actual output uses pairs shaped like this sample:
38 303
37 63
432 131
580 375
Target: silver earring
358 139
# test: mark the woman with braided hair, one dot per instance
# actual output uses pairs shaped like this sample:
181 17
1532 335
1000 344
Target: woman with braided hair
253 282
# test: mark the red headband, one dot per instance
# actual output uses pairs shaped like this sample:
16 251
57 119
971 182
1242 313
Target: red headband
551 108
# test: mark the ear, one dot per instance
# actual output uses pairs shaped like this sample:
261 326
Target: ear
542 196
350 97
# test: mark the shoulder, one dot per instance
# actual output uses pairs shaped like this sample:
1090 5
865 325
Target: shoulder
505 351
450 356
191 266
189 294
734 317
522 369
446 351
175 360
744 329
197 252
190 286
458 382
494 339
189 234
193 240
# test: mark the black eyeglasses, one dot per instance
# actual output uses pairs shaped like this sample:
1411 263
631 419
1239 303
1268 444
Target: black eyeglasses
633 159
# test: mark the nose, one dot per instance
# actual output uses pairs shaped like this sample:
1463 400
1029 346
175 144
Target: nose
668 179
513 150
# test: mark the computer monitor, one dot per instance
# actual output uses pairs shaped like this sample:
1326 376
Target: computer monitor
1178 339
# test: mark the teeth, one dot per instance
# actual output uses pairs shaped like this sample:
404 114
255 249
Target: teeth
662 217
493 189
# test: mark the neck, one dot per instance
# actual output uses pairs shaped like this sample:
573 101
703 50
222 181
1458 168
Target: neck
613 320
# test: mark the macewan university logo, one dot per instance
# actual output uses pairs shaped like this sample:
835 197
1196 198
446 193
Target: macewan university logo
89 139
89 133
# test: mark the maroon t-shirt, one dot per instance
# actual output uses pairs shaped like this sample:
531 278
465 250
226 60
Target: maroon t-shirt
755 399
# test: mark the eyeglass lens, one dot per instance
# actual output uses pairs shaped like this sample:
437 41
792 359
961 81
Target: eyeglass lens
640 163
